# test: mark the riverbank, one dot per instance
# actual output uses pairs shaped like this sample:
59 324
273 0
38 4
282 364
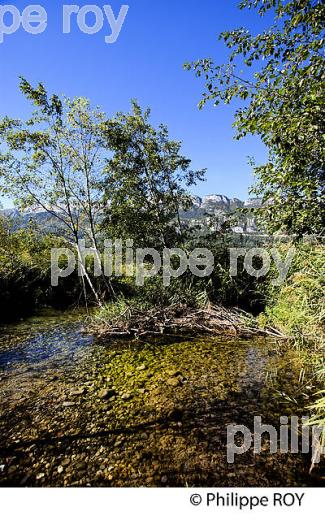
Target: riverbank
145 413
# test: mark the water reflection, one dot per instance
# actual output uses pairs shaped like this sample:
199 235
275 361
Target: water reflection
50 337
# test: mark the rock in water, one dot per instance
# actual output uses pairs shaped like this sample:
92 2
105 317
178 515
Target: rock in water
78 391
106 393
173 381
142 367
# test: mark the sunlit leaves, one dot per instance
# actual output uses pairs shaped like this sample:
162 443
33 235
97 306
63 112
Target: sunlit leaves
146 181
281 91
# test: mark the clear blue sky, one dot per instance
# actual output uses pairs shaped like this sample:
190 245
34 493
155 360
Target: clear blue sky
145 63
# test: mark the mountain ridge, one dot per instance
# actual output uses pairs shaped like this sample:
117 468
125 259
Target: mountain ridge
204 209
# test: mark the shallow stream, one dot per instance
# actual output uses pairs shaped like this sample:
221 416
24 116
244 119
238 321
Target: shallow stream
154 413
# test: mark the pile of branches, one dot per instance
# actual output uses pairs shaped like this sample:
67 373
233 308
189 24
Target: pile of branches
180 320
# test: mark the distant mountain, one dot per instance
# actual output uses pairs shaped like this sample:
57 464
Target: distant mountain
207 212
21 219
11 213
212 210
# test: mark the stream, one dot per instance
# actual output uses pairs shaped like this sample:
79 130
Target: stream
74 412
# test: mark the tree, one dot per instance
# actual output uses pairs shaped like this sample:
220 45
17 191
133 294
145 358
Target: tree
283 97
146 182
55 161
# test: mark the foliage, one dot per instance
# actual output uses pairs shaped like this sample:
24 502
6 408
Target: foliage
318 407
282 93
25 277
243 290
297 308
55 161
146 179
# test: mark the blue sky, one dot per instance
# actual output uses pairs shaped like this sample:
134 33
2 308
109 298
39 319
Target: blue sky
146 62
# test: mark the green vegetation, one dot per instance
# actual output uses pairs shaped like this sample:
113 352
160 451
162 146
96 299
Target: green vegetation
297 308
54 161
144 183
278 76
25 271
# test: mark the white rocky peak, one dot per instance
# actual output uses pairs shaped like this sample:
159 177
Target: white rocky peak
197 201
252 203
215 199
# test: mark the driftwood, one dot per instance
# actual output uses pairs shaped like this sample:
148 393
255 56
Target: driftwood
181 320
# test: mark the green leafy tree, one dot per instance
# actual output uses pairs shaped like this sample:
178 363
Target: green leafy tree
147 178
278 76
55 161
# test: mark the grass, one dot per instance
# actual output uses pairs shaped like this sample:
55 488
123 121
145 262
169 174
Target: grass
298 310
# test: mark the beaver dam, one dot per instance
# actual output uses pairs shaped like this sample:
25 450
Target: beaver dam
180 320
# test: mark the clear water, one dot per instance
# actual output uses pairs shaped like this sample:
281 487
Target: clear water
165 424
38 342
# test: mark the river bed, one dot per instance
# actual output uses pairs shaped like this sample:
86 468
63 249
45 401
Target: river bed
134 413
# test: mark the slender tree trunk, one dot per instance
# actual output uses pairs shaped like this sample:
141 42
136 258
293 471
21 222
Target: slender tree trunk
84 274
107 282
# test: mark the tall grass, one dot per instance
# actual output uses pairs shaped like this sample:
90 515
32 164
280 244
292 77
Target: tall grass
298 310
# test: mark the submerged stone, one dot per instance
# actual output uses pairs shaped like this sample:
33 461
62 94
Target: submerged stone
106 393
173 381
78 391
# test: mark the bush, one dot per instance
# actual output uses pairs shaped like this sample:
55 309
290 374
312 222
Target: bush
25 272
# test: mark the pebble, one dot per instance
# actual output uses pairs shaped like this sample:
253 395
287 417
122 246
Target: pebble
78 391
81 465
174 373
106 393
24 480
173 381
